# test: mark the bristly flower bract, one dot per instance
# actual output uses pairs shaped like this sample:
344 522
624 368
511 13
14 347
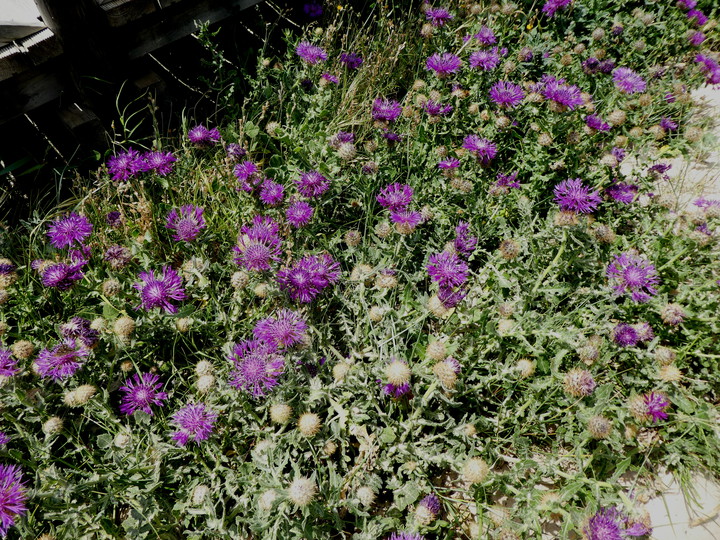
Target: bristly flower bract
159 290
141 392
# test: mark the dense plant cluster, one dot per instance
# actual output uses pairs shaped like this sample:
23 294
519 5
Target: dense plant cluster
426 287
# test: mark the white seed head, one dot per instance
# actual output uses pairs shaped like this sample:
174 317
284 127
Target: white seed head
52 425
475 470
280 413
340 370
398 373
302 491
309 424
205 383
365 495
203 367
199 494
267 499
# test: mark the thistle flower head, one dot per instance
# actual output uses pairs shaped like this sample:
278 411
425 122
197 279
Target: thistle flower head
194 422
140 392
483 149
386 110
486 60
312 54
299 213
285 329
506 95
12 497
158 291
627 81
632 274
202 137
443 64
187 222
258 367
572 195
307 277
125 165
69 230
447 269
438 16
312 184
62 361
395 197
159 162
8 365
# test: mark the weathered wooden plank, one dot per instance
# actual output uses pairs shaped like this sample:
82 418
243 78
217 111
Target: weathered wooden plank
121 12
12 31
31 52
30 90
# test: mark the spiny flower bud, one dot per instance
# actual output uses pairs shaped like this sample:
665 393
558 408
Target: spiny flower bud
80 396
203 367
636 132
398 373
505 327
418 85
347 151
111 287
436 350
673 314
340 370
3 328
603 233
509 249
545 139
302 491
437 308
124 327
183 324
565 218
126 366
330 448
205 383
361 272
353 238
383 229
239 279
366 496
52 425
670 373
588 354
665 356
22 350
265 503
199 494
99 324
261 290
427 30
579 383
475 470
598 34
376 314
447 371
385 280
309 424
617 117
525 367
693 134
280 413
599 427
427 510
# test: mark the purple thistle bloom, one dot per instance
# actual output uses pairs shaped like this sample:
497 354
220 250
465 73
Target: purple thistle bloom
506 94
655 405
202 137
612 524
449 164
434 108
573 196
591 65
627 81
432 503
340 138
160 162
486 36
606 66
62 361
447 269
710 67
62 276
395 197
644 332
187 222
625 335
351 60
696 39
142 391
506 182
391 136
306 278
257 367
464 243
271 192
125 165
258 244
299 213
4 439
114 219
158 291
386 110
285 329
248 173
667 124
438 16
622 192
118 256
12 497
195 421
551 6
329 77
618 153
485 60
68 230
635 275
79 328
443 64
234 151
405 220
312 184
397 391
697 17
687 4
451 297
565 95
595 122
312 54
312 10
706 203
8 365
483 149
7 268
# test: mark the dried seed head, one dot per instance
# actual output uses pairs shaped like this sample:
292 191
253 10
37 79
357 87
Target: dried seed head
124 327
418 85
665 356
366 496
385 281
475 470
446 374
565 218
566 59
673 314
436 350
199 493
657 132
3 328
265 503
272 128
126 366
309 424
52 425
122 439
80 396
579 48
22 350
239 279
578 383
203 367
261 290
501 122
599 427
588 354
636 406
398 373
340 370
383 229
427 30
376 314
598 34
183 324
670 373
437 308
280 413
525 367
545 139
469 430
111 287
461 184
302 491
509 249
205 383
330 448
604 234
617 117
693 134
473 108
362 272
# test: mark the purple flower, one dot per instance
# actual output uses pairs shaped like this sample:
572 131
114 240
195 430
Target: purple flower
62 276
395 197
591 65
405 220
79 328
438 16
306 278
612 524
248 173
234 151
329 77
464 243
142 391
687 4
405 536
644 332
627 81
667 124
351 60
4 439
391 136
432 503
483 149
506 94
485 60
551 6
443 64
606 66
633 274
655 405
271 193
595 122
285 329
504 183
126 165
340 138
565 95
625 335
195 423
187 222
12 497
312 184
299 213
118 256
486 36
312 10
397 391
312 54
68 230
696 39
8 365
622 192
258 244
433 108
160 162
114 219
710 67
203 137
386 110
449 164
62 361
157 291
697 17
447 269
572 195
258 367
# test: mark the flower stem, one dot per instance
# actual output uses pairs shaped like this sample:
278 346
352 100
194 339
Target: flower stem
549 267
